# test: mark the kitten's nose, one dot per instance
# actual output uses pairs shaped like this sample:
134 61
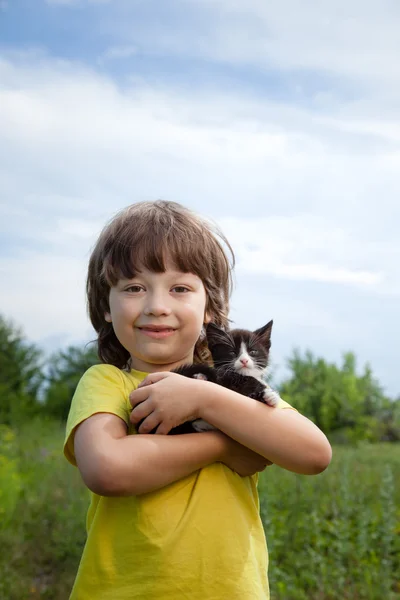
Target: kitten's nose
244 361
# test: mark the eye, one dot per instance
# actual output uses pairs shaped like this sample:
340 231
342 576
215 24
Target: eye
231 353
180 289
253 352
134 289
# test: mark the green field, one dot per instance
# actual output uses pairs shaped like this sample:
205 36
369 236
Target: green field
333 536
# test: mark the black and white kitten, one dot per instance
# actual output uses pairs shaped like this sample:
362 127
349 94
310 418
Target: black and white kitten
241 360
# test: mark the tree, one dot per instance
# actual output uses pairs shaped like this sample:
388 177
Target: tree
20 374
337 399
65 369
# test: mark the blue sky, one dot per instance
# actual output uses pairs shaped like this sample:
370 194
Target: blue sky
279 120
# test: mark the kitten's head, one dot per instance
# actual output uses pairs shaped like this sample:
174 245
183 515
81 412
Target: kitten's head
240 350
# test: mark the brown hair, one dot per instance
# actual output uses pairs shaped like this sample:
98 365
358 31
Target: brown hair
144 235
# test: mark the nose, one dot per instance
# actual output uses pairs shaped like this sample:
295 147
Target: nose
157 306
244 361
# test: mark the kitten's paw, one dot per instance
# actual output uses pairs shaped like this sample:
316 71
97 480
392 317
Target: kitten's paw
270 397
200 376
200 425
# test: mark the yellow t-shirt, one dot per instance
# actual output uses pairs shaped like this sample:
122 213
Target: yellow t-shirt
199 538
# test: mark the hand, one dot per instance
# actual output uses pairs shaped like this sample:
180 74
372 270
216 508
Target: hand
165 400
242 460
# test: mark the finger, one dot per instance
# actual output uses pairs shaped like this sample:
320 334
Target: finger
153 378
141 411
145 382
138 396
163 429
149 424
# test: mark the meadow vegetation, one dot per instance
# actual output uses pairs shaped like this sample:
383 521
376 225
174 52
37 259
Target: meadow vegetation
332 536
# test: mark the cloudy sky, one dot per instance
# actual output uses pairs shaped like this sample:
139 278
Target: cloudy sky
280 120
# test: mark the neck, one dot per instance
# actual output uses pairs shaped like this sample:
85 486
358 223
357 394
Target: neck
145 367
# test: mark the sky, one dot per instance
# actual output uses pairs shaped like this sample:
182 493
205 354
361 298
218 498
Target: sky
278 120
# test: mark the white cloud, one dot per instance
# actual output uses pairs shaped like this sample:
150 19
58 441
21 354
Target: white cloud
45 294
258 263
356 40
310 199
117 53
308 247
70 130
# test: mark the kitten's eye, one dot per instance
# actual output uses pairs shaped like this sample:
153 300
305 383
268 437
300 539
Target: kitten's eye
253 352
232 353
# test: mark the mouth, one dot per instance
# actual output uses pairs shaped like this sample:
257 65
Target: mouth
157 331
246 370
155 328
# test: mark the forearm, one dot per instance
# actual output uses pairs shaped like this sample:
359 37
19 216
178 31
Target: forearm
283 436
144 463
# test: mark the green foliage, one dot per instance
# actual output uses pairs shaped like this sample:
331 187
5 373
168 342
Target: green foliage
10 480
352 407
335 535
42 539
65 369
24 378
332 536
20 374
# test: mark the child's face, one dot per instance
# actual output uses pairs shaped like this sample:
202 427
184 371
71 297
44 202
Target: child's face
158 317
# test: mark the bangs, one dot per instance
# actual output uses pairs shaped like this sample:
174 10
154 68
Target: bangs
155 247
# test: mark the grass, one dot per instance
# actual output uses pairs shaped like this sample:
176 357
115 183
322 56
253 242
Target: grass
333 536
336 535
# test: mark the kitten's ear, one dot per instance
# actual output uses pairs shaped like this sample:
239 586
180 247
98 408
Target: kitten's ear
264 334
215 335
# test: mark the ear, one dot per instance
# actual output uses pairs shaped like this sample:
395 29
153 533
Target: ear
215 335
264 333
107 317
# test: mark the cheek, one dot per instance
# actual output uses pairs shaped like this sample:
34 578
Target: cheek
202 305
122 316
195 311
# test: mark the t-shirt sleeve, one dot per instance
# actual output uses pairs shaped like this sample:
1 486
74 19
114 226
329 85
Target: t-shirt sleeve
101 389
284 404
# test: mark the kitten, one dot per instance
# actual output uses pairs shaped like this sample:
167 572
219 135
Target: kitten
240 362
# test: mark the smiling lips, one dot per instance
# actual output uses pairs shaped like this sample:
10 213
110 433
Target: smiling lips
157 331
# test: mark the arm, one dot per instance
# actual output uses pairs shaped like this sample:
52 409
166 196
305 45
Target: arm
283 436
113 463
164 400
